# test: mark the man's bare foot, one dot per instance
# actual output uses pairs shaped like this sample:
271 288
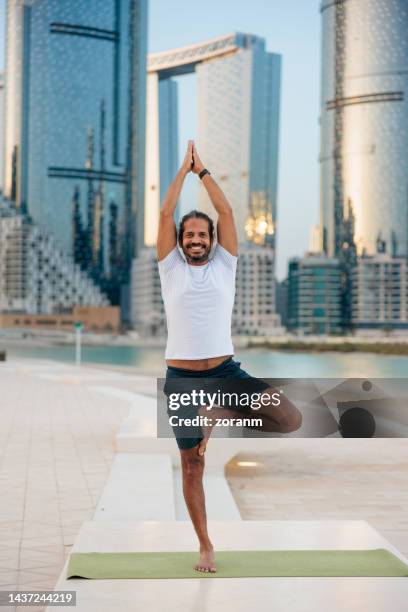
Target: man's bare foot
206 563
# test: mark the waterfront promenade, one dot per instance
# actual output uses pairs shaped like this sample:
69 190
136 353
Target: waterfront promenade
57 441
57 438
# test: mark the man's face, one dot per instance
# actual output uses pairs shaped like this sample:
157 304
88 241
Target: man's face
196 243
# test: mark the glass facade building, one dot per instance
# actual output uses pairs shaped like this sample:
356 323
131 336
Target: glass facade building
168 130
314 295
161 148
75 128
364 127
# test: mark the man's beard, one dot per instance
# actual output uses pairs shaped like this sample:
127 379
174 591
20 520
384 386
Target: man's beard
198 256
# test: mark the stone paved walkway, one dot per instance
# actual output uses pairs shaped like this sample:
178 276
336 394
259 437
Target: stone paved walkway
56 445
57 433
312 479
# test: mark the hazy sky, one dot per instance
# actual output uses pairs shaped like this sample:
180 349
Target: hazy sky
290 27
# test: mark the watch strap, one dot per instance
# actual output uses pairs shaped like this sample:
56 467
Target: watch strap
203 173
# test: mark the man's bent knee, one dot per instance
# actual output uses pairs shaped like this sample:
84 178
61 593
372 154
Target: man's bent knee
191 462
292 422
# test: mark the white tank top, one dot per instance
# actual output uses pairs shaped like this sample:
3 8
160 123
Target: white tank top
198 301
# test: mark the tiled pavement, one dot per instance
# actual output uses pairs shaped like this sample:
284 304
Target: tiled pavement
333 478
56 445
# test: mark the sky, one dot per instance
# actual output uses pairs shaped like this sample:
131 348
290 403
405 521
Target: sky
291 28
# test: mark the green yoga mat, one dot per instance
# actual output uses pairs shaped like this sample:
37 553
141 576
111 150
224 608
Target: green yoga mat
237 564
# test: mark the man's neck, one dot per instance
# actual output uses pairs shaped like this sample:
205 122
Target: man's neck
197 263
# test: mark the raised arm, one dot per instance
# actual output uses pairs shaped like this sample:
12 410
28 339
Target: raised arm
167 235
226 229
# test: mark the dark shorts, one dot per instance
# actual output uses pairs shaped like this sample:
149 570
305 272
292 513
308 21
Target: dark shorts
181 380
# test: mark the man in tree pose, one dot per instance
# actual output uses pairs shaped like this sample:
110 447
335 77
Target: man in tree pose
198 293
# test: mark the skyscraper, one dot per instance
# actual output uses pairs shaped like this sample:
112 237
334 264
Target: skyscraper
75 128
161 148
364 127
238 94
238 133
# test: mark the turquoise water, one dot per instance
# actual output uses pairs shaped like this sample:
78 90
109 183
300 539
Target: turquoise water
258 362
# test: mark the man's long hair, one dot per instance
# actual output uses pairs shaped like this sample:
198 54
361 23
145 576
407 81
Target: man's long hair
196 214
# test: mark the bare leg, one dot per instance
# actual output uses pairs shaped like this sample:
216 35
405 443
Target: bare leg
206 429
284 418
192 464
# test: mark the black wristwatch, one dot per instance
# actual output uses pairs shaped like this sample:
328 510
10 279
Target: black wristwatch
203 173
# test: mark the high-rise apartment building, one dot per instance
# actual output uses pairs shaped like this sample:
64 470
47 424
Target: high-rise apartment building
380 294
364 127
36 276
314 295
148 315
74 147
254 311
